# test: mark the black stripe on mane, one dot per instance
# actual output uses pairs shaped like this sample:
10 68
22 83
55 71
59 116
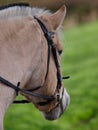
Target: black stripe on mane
14 4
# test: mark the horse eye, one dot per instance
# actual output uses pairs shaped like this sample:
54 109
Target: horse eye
60 52
52 34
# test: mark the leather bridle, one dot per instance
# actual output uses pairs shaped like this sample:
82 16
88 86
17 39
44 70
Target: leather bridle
52 48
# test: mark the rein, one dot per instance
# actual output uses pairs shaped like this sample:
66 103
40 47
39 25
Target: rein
51 46
17 89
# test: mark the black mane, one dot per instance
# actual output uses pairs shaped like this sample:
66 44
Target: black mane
14 4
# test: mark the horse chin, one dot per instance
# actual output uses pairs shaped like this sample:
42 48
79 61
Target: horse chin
59 110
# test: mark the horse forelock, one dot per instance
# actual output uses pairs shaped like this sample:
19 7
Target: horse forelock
21 10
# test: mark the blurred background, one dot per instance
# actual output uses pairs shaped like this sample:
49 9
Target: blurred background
79 61
78 11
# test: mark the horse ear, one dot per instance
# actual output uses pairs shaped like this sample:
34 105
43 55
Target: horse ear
58 17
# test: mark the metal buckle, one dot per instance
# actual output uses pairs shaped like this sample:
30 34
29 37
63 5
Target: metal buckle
57 96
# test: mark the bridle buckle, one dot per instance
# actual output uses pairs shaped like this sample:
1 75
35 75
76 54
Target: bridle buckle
57 95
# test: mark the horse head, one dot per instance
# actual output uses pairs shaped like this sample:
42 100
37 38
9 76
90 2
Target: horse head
54 98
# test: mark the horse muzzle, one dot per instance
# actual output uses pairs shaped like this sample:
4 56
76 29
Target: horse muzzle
59 109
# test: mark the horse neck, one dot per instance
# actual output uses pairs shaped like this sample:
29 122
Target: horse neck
21 56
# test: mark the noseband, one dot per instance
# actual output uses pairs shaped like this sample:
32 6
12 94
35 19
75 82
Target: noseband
52 48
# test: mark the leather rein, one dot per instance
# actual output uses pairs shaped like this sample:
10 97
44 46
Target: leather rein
51 46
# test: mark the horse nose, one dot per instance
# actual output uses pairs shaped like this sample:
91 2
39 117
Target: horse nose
65 102
66 99
59 110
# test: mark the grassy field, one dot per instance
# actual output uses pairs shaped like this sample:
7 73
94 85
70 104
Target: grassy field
80 61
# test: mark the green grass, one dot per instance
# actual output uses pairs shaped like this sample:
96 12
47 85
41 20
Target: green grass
80 61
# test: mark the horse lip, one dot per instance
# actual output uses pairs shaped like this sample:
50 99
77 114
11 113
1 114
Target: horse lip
50 117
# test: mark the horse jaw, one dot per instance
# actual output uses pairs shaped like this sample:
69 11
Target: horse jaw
58 111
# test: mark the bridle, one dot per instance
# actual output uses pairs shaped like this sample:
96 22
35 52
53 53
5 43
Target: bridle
52 48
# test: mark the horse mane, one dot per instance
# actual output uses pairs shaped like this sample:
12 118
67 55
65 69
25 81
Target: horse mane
20 10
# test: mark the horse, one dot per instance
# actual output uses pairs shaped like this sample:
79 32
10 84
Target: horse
30 51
